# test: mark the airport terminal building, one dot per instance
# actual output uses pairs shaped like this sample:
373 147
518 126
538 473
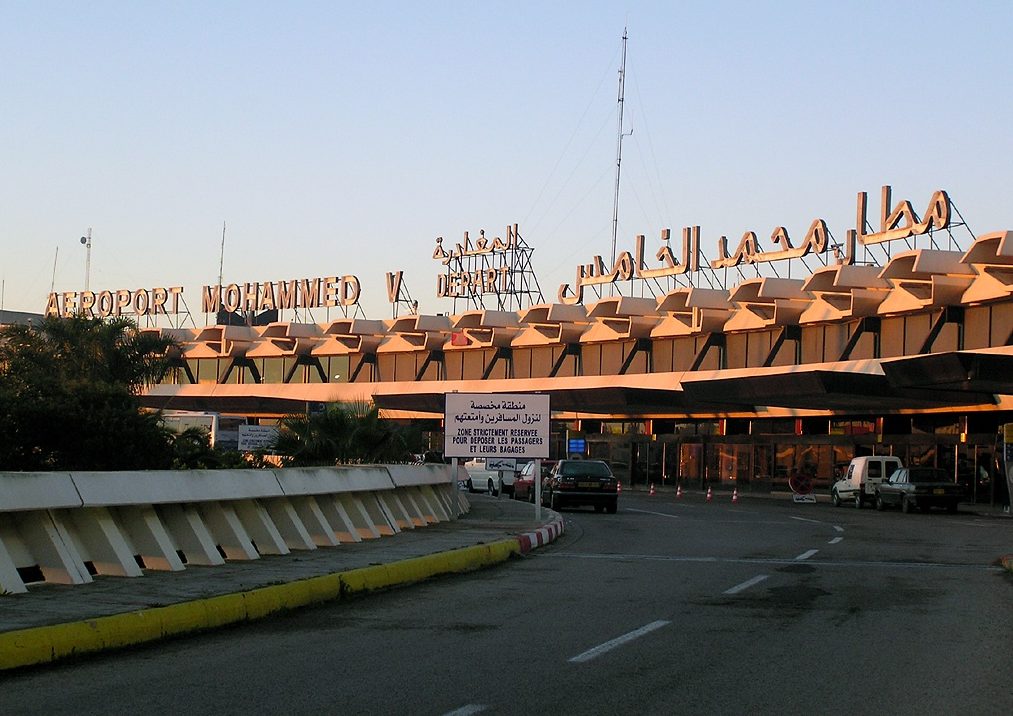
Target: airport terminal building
740 370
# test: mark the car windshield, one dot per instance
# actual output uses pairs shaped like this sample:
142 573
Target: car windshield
588 468
928 474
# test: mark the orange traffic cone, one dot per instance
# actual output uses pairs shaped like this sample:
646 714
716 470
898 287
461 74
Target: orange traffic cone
709 495
735 495
678 492
652 490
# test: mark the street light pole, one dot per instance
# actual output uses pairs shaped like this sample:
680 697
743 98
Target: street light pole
86 240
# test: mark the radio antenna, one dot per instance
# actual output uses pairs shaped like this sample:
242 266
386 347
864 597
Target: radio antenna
619 151
221 268
52 284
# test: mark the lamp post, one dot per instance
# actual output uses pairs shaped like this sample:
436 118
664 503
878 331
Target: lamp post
86 240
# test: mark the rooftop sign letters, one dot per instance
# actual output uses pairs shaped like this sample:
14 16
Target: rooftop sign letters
896 222
296 293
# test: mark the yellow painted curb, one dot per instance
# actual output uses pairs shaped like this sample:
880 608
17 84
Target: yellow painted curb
40 645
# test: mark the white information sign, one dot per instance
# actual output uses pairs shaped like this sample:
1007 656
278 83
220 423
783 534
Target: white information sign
496 425
257 437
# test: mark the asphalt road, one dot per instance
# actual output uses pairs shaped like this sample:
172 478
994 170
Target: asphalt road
666 607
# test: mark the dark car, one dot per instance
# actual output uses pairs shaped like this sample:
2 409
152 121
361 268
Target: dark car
581 482
921 487
524 485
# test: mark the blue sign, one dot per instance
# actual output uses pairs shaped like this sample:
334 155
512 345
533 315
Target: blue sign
578 445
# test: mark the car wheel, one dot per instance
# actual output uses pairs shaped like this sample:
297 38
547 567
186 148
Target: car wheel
905 505
835 498
531 497
599 508
492 489
879 503
471 488
952 508
858 500
555 502
612 507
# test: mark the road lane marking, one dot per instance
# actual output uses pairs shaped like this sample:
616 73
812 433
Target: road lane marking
835 540
771 561
838 528
804 519
806 555
648 512
467 710
618 641
747 584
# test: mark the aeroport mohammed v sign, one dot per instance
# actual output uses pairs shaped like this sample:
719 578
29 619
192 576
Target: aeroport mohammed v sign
496 425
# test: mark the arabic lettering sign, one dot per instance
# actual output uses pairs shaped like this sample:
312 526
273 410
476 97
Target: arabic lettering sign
496 425
897 221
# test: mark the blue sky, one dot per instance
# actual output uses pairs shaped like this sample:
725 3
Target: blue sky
342 138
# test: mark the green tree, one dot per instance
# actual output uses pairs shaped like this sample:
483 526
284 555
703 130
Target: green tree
346 433
68 396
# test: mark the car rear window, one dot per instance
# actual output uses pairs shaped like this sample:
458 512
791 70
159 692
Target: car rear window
588 468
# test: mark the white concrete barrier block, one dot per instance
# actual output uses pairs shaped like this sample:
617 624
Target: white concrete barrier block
337 515
291 528
103 543
159 487
227 530
381 513
261 528
415 475
37 491
10 580
359 516
148 538
44 536
190 534
436 505
315 521
329 480
415 513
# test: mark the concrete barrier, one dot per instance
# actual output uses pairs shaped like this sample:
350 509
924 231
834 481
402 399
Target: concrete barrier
65 527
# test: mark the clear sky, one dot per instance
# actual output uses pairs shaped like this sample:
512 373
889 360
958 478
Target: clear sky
342 138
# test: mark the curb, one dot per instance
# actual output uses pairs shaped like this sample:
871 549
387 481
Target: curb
42 645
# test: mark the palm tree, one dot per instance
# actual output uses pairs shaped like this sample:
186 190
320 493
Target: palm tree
68 396
346 433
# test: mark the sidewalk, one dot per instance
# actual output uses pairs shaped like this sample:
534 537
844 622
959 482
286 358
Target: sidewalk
54 621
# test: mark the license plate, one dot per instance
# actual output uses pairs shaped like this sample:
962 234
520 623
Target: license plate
590 485
939 491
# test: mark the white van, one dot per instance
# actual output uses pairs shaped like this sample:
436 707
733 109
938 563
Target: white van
863 476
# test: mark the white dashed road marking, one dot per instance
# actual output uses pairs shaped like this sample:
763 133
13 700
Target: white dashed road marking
747 584
467 710
806 555
804 519
835 540
618 641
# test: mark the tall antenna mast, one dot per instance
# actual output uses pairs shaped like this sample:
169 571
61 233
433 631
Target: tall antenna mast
52 284
619 153
221 268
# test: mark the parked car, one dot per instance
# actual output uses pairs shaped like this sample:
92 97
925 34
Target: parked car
921 487
864 475
581 482
524 484
480 479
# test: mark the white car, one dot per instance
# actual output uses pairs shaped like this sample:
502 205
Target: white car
480 479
